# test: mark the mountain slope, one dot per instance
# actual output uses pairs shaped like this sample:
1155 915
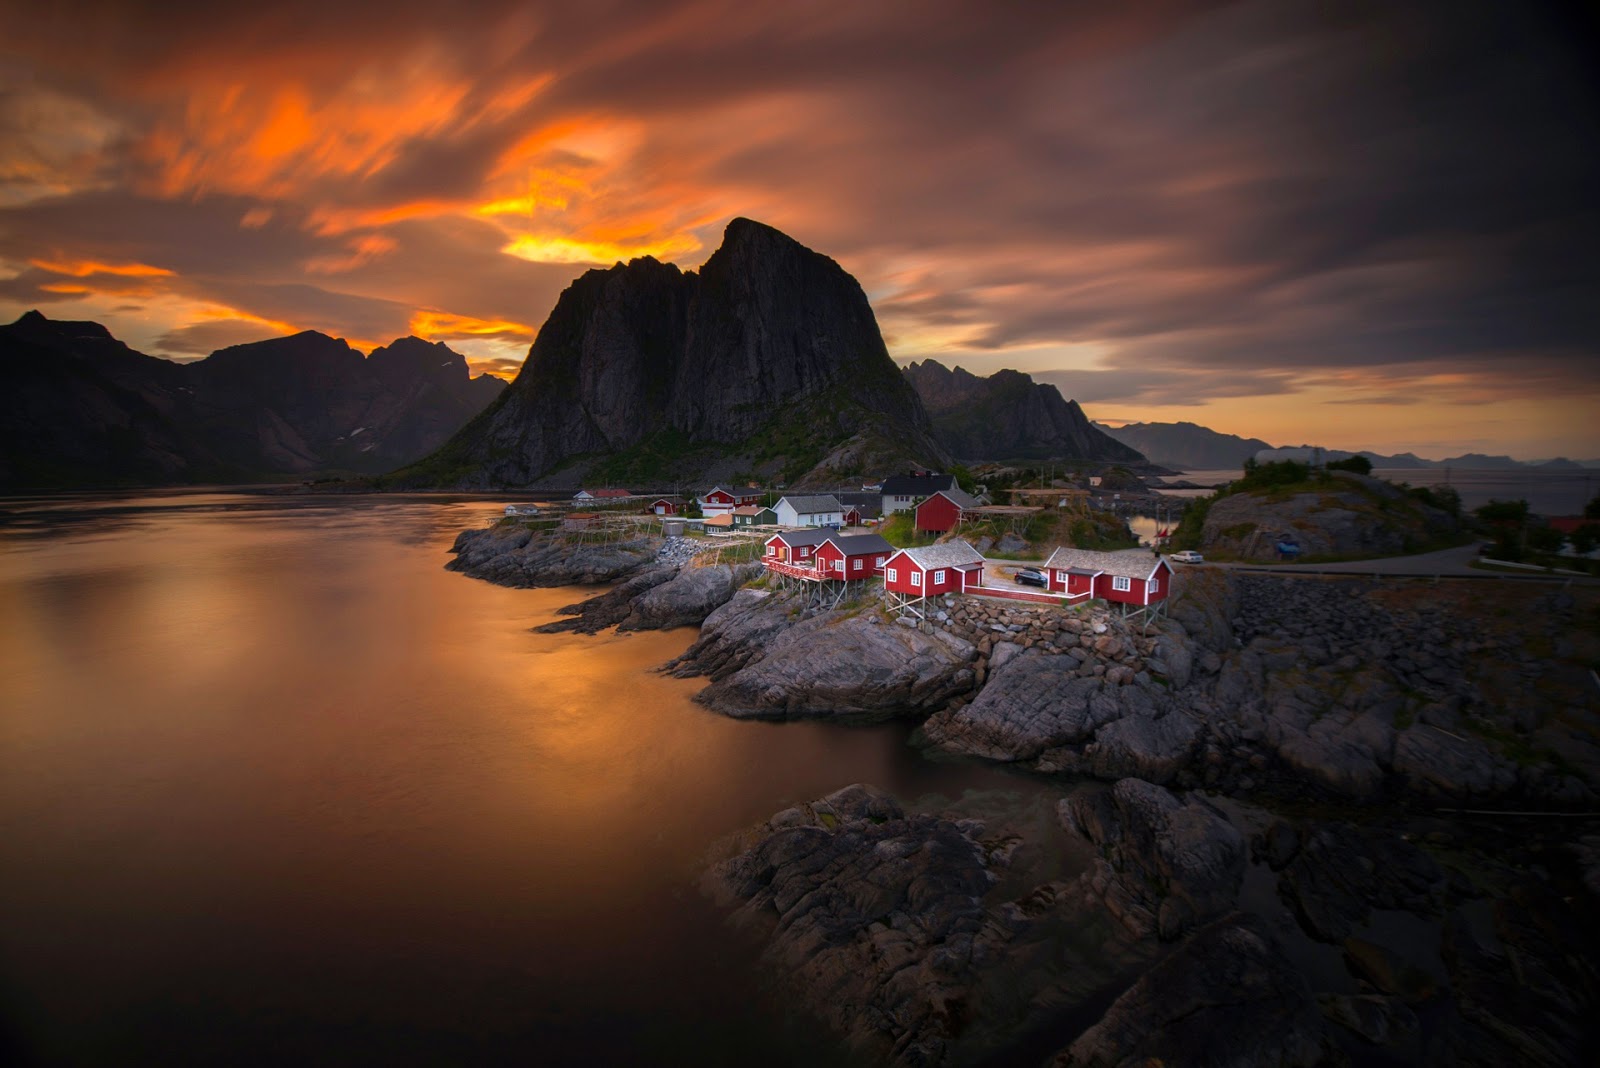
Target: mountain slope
80 408
1187 446
1009 416
767 361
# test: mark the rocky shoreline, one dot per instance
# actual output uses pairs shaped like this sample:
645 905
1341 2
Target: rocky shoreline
1259 854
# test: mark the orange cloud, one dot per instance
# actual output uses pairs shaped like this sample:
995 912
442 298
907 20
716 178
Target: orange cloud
85 268
434 325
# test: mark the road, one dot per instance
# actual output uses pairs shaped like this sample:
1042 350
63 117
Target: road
1451 563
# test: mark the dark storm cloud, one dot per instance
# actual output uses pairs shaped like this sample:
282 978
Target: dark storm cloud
1230 199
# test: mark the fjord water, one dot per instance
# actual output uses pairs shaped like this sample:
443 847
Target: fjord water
277 788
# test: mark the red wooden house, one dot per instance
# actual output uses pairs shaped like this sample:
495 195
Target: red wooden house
943 511
853 556
954 567
667 506
796 546
1131 577
717 500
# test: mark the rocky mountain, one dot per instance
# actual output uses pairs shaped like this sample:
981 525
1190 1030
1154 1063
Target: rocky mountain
83 409
767 361
1009 416
1186 446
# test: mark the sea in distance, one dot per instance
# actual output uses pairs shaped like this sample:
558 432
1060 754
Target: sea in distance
275 788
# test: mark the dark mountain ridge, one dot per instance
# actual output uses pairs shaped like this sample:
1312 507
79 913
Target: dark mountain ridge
1009 416
767 361
84 409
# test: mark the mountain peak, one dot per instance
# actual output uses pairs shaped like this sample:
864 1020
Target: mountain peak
769 356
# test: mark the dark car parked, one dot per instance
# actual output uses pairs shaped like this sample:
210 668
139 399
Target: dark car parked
1030 576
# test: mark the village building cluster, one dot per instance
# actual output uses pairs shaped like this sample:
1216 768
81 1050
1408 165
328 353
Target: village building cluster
823 539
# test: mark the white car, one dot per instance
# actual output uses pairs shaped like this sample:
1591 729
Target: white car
1188 556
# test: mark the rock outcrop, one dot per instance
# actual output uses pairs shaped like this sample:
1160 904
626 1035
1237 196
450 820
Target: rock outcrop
769 660
1009 416
768 359
510 554
1353 515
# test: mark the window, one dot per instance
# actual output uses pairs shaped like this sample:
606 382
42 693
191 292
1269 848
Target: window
916 578
772 550
889 574
938 578
805 551
1121 583
878 562
857 564
838 565
1155 584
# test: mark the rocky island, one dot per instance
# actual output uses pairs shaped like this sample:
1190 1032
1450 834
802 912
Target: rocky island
1298 820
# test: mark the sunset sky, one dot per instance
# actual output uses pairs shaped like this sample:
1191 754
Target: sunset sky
1351 224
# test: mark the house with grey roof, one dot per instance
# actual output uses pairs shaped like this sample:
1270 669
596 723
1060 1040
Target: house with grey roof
818 511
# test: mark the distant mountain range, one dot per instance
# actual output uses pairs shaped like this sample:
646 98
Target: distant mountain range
767 362
1009 416
78 408
1189 447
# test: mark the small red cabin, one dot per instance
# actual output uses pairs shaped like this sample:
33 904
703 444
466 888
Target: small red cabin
718 500
667 506
854 556
796 546
943 511
1130 577
954 567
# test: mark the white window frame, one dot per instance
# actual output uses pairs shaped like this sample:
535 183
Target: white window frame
1155 584
916 578
938 578
838 565
859 564
772 550
890 575
879 562
1121 583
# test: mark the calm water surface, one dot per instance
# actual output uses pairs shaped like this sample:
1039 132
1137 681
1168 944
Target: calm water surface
277 788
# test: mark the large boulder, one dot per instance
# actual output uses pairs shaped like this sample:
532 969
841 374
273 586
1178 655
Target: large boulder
1038 709
783 664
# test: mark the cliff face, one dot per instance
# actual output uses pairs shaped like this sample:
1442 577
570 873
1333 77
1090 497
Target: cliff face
767 361
81 408
1009 416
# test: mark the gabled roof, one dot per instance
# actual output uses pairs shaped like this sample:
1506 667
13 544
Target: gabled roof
950 554
1130 563
723 520
812 505
961 500
750 509
860 544
917 485
804 536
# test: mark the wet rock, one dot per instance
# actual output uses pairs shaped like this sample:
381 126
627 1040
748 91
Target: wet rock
1342 872
1382 1021
1226 997
1525 988
1180 862
611 607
